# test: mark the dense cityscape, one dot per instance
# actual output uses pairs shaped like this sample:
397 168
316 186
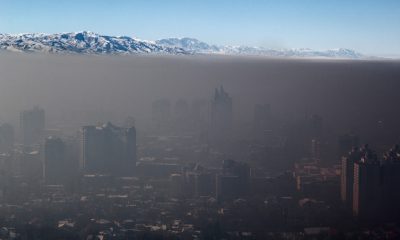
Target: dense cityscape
199 120
192 175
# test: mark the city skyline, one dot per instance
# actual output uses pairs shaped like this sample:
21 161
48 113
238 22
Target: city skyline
197 120
268 174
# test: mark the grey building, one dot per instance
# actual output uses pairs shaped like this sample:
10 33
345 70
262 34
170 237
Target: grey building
221 116
108 149
55 161
32 123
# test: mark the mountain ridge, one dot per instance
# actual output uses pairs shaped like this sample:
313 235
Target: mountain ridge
86 42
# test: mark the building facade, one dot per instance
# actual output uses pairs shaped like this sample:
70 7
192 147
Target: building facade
221 116
32 124
108 149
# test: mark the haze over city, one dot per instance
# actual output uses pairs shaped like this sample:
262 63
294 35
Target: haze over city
199 120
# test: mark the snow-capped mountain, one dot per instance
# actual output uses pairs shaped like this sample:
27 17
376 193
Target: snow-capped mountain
190 44
93 43
197 46
82 42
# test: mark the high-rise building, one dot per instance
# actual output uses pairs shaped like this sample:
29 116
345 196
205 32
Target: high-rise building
234 180
315 150
177 185
108 149
181 109
6 138
347 142
181 115
347 176
390 171
371 186
221 115
161 115
199 115
315 126
55 161
205 184
32 125
367 191
31 166
262 119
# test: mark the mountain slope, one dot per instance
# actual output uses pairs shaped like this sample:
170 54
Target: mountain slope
190 44
197 46
82 42
93 43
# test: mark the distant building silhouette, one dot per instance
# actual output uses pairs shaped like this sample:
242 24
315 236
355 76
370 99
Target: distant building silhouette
32 125
367 191
161 115
177 185
234 180
347 142
315 150
31 166
181 115
205 184
55 161
315 126
391 183
199 114
221 116
6 138
108 149
262 119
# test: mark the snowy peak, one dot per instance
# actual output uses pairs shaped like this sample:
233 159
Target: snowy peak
82 42
86 42
197 46
190 44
